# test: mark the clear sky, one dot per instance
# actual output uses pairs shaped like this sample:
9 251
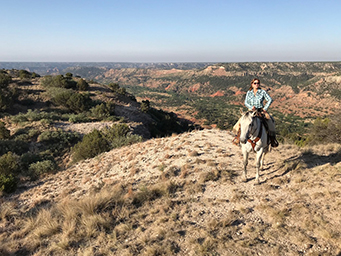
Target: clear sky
170 30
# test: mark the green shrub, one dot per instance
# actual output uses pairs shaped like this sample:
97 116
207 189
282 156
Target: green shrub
82 85
116 130
56 143
165 123
7 95
34 115
326 130
119 135
8 183
27 159
59 81
60 98
17 147
69 75
42 167
76 102
4 80
4 132
78 118
92 144
114 87
24 74
9 167
102 111
145 106
9 164
79 102
34 75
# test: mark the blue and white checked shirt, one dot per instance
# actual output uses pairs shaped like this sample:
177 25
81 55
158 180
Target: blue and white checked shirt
257 100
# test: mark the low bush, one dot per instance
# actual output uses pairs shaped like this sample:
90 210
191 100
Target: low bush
103 110
7 95
59 81
82 85
145 106
4 132
79 102
17 147
92 144
8 183
98 142
4 80
9 167
9 163
34 115
114 87
327 130
119 135
24 74
58 142
79 118
75 102
40 168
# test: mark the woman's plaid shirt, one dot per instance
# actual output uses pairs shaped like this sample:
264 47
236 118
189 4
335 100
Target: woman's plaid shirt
257 100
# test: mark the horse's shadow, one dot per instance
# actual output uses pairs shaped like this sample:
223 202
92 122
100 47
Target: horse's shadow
308 159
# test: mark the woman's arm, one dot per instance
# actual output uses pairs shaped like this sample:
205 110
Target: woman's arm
247 100
268 99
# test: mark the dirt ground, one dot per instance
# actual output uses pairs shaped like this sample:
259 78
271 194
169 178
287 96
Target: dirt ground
295 209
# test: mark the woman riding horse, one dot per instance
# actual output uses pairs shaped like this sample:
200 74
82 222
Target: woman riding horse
254 101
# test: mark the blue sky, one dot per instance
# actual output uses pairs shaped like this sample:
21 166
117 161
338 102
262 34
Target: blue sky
170 30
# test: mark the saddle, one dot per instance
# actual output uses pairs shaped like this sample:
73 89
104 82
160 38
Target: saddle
263 117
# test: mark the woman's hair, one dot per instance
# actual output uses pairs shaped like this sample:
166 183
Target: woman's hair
255 79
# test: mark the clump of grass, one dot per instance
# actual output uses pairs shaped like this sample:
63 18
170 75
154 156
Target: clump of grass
209 176
238 196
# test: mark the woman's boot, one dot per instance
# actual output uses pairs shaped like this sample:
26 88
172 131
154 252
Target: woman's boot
273 141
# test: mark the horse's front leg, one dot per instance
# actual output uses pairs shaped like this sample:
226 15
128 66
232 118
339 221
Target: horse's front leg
262 161
245 162
259 164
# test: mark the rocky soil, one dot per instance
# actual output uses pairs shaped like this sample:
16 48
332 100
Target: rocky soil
294 211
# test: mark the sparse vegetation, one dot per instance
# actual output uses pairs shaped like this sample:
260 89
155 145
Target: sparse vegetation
98 142
178 195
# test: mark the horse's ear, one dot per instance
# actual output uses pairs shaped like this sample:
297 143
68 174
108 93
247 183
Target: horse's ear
254 113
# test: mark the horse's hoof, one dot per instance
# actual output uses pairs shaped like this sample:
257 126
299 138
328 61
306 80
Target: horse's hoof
257 183
245 180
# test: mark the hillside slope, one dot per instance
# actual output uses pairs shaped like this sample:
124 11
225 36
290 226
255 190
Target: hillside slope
181 195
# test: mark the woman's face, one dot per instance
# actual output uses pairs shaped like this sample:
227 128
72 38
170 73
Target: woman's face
255 84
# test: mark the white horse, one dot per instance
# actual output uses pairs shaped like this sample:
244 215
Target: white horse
253 137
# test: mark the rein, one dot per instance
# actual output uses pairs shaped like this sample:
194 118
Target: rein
253 142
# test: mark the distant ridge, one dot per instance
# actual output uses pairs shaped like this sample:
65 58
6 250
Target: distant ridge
45 68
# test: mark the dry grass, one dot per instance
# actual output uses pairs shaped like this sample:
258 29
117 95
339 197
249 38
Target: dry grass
186 205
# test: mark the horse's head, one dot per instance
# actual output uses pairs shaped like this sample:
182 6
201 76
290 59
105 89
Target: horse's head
247 125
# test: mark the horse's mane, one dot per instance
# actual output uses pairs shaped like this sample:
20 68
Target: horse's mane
247 114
